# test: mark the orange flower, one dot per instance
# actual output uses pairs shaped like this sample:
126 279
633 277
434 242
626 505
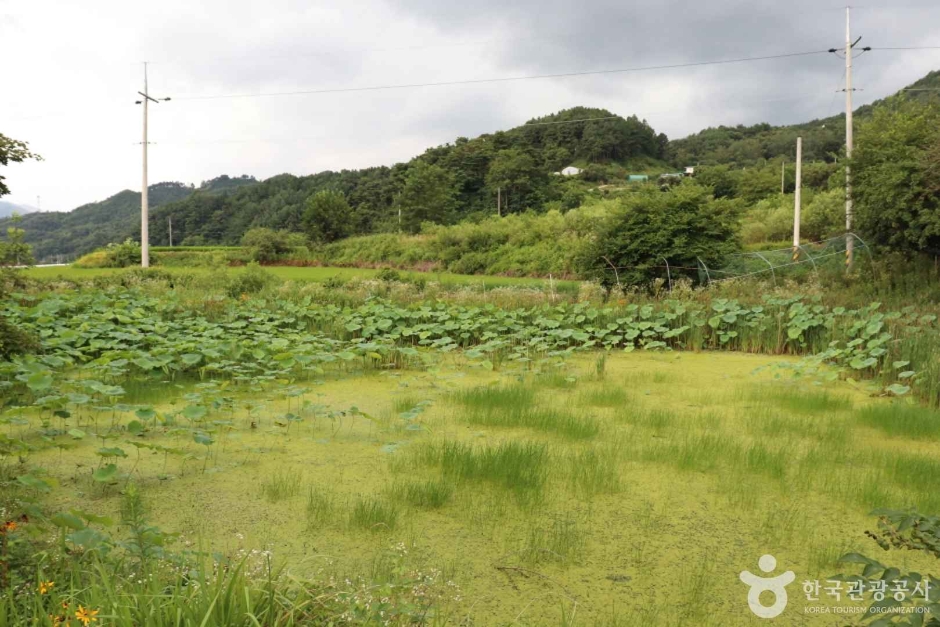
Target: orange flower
59 619
10 526
45 586
86 616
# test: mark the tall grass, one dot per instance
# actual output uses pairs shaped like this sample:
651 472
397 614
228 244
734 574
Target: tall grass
696 452
321 507
281 485
900 420
513 407
505 398
374 514
658 420
429 494
798 400
605 396
560 422
241 593
773 463
595 471
519 467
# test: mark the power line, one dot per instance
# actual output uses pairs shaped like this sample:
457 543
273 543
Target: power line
338 90
909 48
296 138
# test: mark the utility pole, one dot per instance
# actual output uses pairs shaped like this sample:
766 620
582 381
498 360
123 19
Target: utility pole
849 138
396 203
783 176
797 198
144 200
849 144
499 201
170 222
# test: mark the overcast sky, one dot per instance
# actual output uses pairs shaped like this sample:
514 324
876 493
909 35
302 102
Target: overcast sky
71 70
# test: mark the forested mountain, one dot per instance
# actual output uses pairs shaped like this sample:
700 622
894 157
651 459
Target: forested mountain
457 181
516 164
745 145
114 219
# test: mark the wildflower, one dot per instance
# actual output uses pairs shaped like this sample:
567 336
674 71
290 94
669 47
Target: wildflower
45 586
86 616
10 525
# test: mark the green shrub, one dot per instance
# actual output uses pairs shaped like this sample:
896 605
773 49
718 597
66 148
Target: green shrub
95 259
251 281
681 226
269 245
123 255
15 341
388 275
334 282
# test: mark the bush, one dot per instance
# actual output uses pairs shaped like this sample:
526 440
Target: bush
682 226
123 255
268 244
113 256
824 216
96 259
15 341
388 275
896 172
334 282
251 281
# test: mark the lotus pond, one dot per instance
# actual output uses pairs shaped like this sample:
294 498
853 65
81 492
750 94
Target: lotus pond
523 461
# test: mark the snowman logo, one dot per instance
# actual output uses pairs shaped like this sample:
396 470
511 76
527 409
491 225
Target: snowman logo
776 585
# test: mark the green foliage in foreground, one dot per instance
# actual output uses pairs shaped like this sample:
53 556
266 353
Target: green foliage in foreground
98 572
125 333
899 531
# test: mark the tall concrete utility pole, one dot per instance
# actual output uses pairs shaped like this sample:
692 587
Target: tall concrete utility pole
797 198
849 144
783 176
170 225
144 200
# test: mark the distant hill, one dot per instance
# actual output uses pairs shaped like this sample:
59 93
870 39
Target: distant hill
823 139
114 219
517 165
7 209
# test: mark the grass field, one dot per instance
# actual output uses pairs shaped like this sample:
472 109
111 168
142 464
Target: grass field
317 274
626 490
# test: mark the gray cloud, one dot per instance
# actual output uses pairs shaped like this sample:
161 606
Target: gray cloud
78 71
